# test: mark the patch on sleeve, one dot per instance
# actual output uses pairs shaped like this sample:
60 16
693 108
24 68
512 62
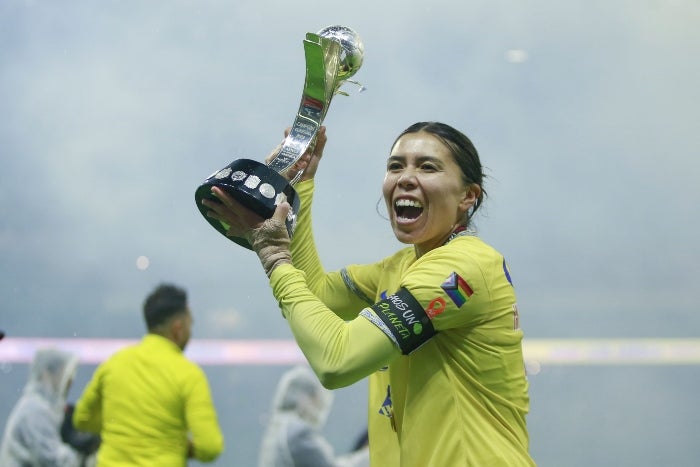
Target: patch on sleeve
457 289
405 319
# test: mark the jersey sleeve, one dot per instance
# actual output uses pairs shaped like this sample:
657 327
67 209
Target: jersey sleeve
331 288
340 352
87 415
303 246
201 416
363 280
447 288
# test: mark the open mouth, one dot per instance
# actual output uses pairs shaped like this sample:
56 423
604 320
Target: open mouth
407 209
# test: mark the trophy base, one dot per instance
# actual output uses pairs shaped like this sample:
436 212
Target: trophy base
254 185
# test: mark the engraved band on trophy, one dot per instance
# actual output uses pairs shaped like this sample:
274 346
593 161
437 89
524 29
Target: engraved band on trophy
333 55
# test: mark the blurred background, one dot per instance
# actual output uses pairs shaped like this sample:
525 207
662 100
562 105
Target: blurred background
585 114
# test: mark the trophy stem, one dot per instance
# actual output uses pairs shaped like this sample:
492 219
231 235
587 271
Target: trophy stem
320 84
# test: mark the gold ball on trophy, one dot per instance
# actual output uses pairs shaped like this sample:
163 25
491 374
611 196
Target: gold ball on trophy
352 51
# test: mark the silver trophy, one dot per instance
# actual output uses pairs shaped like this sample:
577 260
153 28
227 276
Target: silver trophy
333 56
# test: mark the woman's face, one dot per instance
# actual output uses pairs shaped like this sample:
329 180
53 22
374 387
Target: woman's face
425 194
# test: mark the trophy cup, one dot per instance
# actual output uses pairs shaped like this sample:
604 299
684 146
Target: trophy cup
333 55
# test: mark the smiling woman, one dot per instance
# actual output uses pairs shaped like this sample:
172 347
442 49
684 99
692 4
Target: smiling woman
427 193
435 326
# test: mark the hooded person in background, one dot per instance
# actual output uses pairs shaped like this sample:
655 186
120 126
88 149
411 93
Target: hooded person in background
33 431
299 410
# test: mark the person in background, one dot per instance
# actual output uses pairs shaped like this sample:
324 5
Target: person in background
150 404
435 325
300 408
32 436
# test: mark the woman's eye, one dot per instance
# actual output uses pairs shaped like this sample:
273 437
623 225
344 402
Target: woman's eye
393 166
429 167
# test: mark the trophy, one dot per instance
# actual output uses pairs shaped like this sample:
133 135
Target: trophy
333 55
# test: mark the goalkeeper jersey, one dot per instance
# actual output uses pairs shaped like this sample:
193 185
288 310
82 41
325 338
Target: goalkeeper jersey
458 395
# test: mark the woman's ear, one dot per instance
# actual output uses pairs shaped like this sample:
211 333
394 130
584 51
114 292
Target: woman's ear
471 195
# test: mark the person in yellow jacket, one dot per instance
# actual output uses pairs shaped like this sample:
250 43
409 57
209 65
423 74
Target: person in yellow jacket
150 404
435 325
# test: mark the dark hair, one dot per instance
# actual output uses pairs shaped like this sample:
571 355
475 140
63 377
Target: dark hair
462 149
164 302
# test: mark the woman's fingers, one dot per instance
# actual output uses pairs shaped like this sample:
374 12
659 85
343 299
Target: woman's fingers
281 212
308 162
229 211
314 154
222 196
273 154
321 140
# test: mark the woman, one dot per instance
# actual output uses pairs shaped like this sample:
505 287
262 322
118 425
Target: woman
435 324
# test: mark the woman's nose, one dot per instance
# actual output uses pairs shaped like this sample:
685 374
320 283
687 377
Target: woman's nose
407 178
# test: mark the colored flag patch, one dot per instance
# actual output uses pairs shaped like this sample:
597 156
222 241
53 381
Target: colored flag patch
457 289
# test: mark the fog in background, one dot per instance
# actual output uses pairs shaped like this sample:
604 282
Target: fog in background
585 114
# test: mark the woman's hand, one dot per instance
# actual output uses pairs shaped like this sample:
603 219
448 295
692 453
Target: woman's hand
268 237
240 219
271 240
308 162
